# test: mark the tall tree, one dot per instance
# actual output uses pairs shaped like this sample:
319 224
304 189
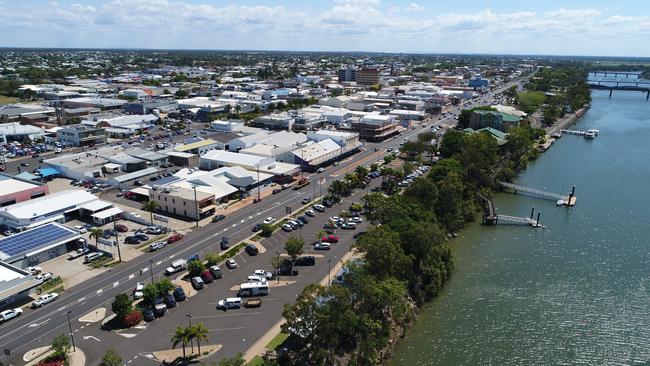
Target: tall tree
96 233
182 336
151 207
61 346
294 247
122 305
199 332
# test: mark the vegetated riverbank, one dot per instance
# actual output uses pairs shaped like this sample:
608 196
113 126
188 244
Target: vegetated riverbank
567 120
405 260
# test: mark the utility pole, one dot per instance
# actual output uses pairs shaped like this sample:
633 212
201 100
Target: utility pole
329 272
151 269
74 349
258 180
278 268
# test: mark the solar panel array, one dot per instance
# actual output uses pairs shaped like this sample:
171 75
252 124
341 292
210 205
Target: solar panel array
32 239
165 180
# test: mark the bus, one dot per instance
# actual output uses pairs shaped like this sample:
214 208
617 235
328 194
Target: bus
253 289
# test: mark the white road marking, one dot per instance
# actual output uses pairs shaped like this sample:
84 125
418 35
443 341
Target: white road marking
158 263
116 283
223 315
82 299
91 337
100 291
132 276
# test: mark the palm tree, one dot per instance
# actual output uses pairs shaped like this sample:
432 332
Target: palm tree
237 108
150 206
199 332
96 233
227 108
183 336
361 171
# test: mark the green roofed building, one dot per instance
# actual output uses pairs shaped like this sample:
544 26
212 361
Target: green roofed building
499 136
497 120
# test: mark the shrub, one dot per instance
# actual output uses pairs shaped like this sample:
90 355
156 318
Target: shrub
132 319
267 230
212 259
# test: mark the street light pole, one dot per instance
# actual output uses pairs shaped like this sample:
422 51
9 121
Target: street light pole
329 272
117 240
278 268
258 180
74 349
189 316
151 269
196 206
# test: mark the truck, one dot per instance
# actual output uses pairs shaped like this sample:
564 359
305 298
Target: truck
301 183
254 302
176 266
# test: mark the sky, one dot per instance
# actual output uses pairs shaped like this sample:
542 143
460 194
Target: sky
542 27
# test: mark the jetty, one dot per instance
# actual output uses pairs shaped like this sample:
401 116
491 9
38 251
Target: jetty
587 133
561 200
490 216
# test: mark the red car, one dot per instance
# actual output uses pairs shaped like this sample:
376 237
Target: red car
174 238
121 228
330 239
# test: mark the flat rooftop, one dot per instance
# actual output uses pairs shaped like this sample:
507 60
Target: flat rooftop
10 186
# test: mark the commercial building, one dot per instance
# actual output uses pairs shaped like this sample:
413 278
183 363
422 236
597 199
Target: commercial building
16 189
182 159
79 166
14 131
15 285
96 102
199 147
193 203
82 135
120 125
38 245
277 121
315 154
346 140
247 141
377 127
367 76
493 119
227 126
148 106
122 181
56 207
347 75
217 159
478 83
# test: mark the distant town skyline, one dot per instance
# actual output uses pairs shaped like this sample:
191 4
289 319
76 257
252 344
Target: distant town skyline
585 28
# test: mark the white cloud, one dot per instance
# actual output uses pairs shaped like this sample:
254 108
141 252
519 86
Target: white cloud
345 25
413 7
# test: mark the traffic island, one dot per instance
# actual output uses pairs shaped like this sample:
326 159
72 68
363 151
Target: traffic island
94 316
175 356
185 285
37 355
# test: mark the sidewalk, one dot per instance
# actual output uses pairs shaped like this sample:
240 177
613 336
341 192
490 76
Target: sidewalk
259 347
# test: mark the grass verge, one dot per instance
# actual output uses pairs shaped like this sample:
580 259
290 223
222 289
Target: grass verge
54 283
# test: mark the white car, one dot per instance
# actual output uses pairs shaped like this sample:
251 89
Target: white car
230 263
256 278
44 299
320 170
320 208
269 220
81 229
264 274
10 314
287 227
34 270
310 213
356 219
43 276
335 219
322 246
137 291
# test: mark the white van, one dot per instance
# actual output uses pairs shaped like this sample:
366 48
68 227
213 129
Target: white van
91 257
230 303
256 278
177 265
253 289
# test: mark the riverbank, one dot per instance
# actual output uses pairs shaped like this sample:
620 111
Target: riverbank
566 121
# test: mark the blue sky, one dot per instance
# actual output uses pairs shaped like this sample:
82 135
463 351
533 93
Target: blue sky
576 27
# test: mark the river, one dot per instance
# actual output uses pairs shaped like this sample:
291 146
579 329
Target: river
574 293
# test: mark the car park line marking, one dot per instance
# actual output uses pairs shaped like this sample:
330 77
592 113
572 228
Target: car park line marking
218 329
172 256
223 315
235 225
131 276
82 299
145 269
158 263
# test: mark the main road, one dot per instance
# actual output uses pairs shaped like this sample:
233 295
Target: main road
36 328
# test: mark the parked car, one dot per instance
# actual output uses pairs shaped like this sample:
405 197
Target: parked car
91 257
131 240
276 191
10 314
179 294
310 213
330 239
263 274
154 230
251 249
230 263
215 271
302 219
349 226
174 238
170 301
322 246
230 303
121 228
157 245
78 253
355 219
287 227
307 260
43 276
160 308
217 218
320 208
206 276
141 237
137 291
34 270
44 299
148 315
197 282
287 271
81 229
320 170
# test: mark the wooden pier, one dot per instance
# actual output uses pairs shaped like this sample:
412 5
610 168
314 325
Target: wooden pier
568 200
490 217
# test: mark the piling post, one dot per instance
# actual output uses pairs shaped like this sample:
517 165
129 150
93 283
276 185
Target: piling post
647 95
610 92
532 212
538 214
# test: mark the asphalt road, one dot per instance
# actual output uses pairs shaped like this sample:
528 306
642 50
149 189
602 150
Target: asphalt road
236 329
